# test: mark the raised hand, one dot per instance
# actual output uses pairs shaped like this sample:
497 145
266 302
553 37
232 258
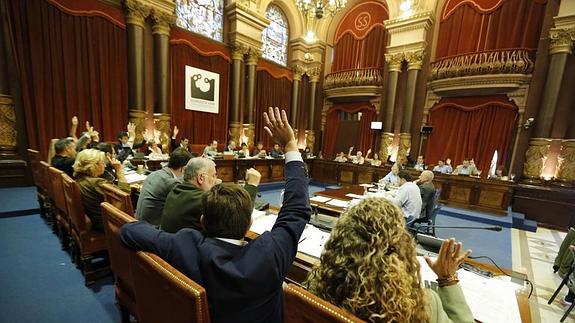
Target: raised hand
278 127
253 177
131 128
175 132
74 121
448 260
88 128
116 164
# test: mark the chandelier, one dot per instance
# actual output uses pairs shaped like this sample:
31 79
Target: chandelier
318 8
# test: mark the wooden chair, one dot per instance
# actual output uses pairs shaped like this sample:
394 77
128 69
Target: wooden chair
59 208
303 306
39 182
88 244
118 198
121 260
165 294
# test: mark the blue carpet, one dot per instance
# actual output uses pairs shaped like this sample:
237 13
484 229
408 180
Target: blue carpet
39 283
18 201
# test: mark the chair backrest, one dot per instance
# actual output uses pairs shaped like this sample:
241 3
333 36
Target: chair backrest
34 156
303 306
118 198
434 213
43 176
75 205
121 258
165 294
57 190
437 196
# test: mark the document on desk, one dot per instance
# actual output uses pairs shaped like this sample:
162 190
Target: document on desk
134 178
490 300
320 199
355 196
264 223
312 240
338 203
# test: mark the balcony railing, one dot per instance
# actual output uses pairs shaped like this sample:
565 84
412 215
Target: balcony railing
356 77
508 61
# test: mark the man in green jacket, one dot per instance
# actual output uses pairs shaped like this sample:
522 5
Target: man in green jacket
183 204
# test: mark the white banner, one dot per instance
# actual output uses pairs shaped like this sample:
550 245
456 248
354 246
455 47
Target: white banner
202 90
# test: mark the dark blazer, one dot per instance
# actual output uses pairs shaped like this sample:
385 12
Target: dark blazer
427 195
243 283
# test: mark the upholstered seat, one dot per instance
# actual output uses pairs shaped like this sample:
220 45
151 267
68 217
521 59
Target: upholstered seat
118 198
164 294
121 259
88 244
303 306
59 209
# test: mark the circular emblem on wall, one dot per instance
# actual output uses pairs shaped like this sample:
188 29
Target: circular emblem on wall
362 21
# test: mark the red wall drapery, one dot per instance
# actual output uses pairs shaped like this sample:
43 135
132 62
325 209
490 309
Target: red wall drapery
199 127
471 127
69 65
482 25
270 92
366 138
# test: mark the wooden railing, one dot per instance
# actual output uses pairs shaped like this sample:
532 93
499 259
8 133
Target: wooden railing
508 61
355 77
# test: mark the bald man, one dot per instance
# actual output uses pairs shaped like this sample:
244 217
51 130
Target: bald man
427 190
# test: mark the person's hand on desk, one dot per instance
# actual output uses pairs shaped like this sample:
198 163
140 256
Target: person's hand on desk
448 262
253 177
278 127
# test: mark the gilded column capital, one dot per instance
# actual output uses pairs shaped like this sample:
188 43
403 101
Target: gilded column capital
162 124
239 50
561 40
254 55
404 148
136 12
8 133
415 59
314 74
162 22
298 72
394 61
565 171
535 158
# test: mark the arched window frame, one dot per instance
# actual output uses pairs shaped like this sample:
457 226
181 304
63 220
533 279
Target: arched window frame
209 14
270 46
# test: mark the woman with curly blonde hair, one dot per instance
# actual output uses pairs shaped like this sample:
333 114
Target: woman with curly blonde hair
369 268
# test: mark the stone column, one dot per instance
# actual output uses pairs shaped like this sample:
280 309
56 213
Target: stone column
298 72
415 62
136 12
253 56
161 33
314 74
235 125
565 172
535 158
404 147
394 68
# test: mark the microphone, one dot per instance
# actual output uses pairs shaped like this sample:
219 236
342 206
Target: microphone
494 228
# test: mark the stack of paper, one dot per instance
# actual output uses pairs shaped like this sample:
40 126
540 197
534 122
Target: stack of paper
263 224
338 203
135 178
312 241
320 199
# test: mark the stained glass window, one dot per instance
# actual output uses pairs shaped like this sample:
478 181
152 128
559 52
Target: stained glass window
275 36
204 17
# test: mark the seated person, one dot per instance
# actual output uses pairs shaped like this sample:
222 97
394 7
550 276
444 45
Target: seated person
211 150
498 173
89 166
158 184
109 172
183 142
466 168
259 151
65 150
126 145
276 152
83 142
243 280
408 197
442 167
182 207
391 178
154 149
427 190
378 279
340 158
231 146
357 159
94 135
244 151
420 164
373 162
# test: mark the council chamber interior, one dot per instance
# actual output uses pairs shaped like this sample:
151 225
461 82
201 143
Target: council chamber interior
366 85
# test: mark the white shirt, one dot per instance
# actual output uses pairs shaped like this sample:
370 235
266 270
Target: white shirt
408 198
391 178
445 169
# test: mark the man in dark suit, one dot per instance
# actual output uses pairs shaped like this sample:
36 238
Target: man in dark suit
243 280
427 189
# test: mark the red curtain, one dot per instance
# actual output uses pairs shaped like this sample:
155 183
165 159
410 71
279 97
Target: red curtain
68 65
352 53
366 137
471 127
476 26
199 127
270 92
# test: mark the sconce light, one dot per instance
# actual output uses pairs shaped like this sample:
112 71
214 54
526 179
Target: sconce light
528 123
307 56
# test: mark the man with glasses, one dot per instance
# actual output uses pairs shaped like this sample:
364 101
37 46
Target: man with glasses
183 204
